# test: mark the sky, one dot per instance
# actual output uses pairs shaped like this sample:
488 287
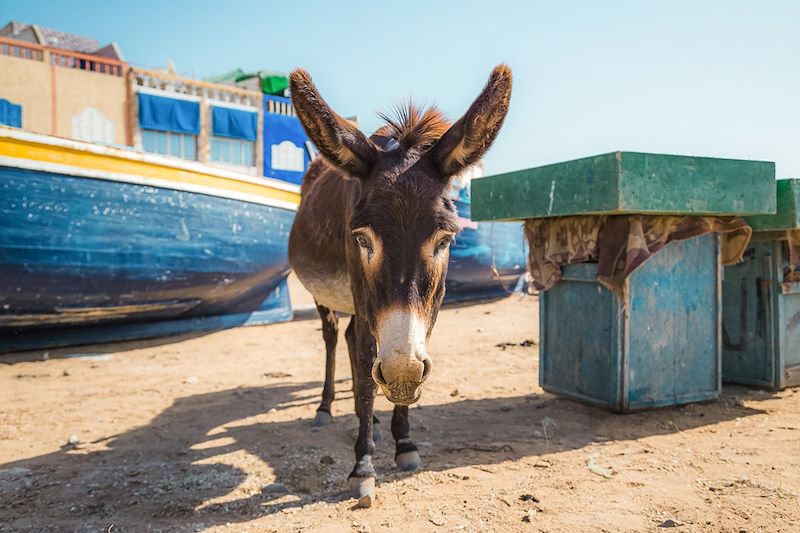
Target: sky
712 78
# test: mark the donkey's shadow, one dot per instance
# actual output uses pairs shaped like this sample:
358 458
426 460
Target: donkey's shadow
180 465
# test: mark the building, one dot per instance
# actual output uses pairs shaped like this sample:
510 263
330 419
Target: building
62 84
33 33
218 124
69 85
287 150
196 120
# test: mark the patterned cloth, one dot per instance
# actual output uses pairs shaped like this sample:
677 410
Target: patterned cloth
792 273
619 244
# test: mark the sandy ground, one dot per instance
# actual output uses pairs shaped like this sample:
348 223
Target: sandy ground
213 432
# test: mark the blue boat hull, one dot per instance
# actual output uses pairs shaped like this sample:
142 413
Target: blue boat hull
487 259
77 251
135 261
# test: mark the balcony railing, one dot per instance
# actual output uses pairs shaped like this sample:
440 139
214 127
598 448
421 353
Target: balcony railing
21 49
62 58
102 65
280 107
154 79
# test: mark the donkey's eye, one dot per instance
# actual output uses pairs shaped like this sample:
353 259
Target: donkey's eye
362 241
443 243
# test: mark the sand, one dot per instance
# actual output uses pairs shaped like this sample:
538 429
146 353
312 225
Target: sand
213 433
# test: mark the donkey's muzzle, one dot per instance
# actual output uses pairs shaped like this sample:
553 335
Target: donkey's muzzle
402 385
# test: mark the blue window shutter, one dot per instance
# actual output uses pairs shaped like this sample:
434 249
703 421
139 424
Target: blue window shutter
10 114
169 114
234 123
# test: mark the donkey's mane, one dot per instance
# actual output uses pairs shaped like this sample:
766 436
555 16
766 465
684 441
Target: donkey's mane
414 127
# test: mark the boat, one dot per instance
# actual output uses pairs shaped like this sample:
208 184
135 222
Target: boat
103 243
137 203
487 259
133 244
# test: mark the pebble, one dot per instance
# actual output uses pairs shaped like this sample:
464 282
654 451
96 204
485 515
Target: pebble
66 373
542 464
275 488
669 523
327 460
73 440
595 468
528 516
277 375
190 380
538 434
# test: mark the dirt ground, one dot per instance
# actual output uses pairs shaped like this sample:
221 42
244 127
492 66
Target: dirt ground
213 433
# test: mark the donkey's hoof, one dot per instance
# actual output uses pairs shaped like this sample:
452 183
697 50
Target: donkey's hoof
377 434
323 418
363 488
408 461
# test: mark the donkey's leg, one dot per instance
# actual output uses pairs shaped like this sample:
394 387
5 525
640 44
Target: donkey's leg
350 337
362 478
352 351
406 455
330 331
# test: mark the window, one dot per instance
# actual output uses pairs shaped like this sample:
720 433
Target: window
287 156
232 151
10 114
92 125
169 126
170 143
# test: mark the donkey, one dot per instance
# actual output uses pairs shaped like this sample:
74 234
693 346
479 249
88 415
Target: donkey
371 239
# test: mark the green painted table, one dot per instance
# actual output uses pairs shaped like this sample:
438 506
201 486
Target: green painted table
761 311
659 343
628 182
788 209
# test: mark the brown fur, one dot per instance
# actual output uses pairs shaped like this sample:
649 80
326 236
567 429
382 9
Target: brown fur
469 138
337 138
414 128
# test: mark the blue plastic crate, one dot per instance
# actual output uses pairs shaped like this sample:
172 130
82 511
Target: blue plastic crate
659 346
761 318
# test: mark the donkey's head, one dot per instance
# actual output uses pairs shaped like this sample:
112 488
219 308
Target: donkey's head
402 222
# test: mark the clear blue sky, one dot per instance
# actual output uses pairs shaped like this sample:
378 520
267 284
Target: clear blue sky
718 78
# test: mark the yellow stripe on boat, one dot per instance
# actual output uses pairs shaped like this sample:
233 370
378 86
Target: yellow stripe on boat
54 154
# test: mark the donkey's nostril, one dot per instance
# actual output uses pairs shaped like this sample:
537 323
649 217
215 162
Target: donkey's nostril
377 375
427 370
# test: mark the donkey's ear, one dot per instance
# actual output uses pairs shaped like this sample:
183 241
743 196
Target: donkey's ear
341 143
471 136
